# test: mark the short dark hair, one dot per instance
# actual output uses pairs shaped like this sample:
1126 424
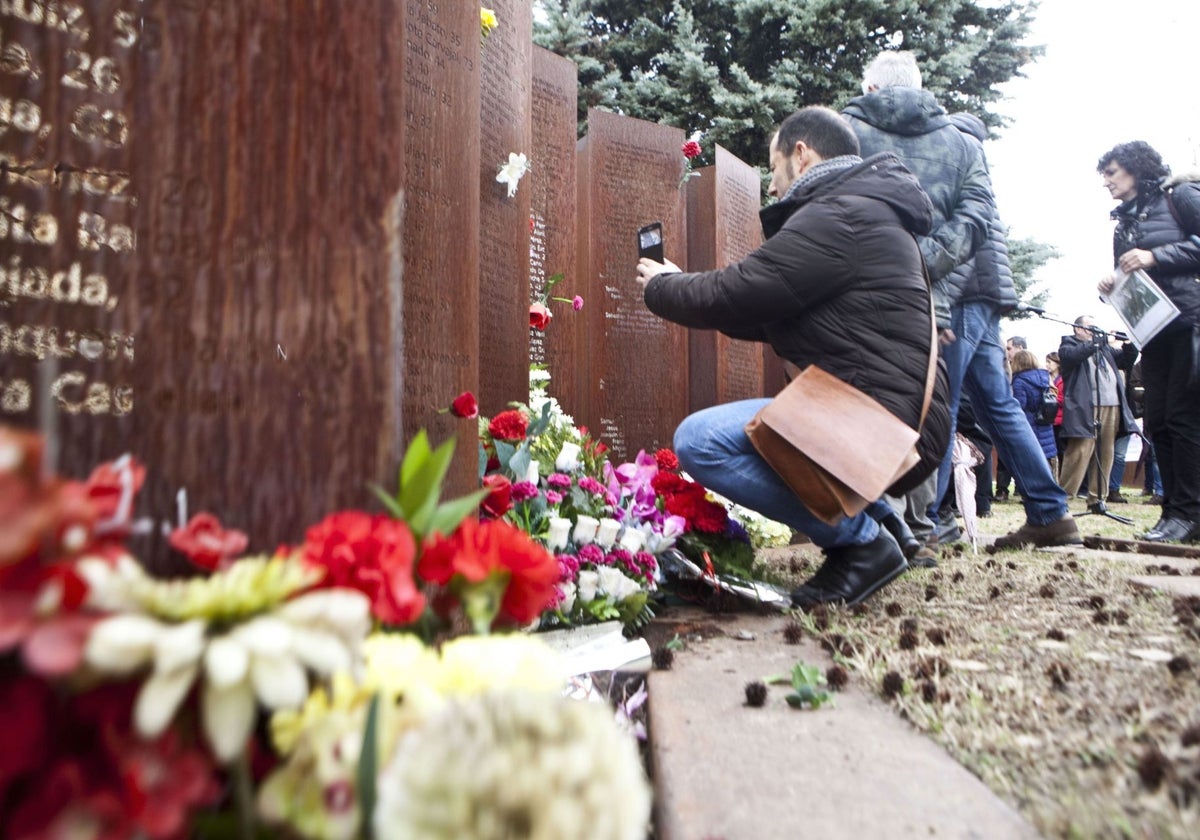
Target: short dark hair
1138 158
824 129
1018 341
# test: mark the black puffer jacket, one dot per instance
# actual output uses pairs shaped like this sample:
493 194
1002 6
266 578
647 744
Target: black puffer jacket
838 283
1147 222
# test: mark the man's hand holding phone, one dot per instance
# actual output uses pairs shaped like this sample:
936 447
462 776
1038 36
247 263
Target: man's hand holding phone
650 254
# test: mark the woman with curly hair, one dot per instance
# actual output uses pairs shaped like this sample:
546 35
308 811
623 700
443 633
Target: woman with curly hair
1158 231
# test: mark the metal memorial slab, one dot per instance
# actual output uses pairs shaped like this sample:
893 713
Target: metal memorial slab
637 364
506 81
552 184
723 228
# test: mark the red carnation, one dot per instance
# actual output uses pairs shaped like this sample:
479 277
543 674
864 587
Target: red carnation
509 426
539 316
668 484
691 149
499 499
666 460
373 554
206 543
465 405
479 550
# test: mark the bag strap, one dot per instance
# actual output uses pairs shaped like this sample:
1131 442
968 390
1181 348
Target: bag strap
1188 229
931 373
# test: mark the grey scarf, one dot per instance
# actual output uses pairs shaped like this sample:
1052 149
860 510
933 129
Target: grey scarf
820 170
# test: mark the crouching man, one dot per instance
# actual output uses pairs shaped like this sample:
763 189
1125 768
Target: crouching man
839 283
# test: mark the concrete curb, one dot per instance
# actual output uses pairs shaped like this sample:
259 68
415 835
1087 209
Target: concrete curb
723 770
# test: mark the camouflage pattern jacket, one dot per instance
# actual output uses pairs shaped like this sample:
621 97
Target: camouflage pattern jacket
949 165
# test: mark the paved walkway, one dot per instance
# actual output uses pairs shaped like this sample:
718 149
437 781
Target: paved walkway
726 772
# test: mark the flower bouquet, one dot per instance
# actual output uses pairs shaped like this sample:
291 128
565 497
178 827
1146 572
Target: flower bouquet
136 706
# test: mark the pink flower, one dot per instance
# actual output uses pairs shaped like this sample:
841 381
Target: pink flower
553 498
577 303
206 543
523 491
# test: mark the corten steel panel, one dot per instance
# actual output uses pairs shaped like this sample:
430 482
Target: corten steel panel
637 361
584 387
271 273
67 230
723 227
441 225
506 82
552 247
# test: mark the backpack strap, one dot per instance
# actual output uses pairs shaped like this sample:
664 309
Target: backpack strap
1191 228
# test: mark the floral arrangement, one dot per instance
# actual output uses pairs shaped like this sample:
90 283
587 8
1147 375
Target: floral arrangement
605 524
136 706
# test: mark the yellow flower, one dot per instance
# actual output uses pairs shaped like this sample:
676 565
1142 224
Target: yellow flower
251 586
487 22
473 664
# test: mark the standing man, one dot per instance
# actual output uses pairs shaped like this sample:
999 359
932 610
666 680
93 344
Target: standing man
837 283
1086 359
895 114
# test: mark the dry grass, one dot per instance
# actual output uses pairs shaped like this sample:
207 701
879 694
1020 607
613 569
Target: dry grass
1071 693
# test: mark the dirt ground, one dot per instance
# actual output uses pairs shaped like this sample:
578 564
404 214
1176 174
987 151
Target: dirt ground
1071 692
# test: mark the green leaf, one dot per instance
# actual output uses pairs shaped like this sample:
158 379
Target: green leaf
504 451
676 643
368 768
414 456
393 507
483 459
446 518
423 485
519 462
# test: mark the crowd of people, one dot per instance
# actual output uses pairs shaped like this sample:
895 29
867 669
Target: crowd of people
886 232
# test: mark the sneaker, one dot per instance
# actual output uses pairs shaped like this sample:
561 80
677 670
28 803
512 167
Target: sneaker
852 573
1115 498
1062 532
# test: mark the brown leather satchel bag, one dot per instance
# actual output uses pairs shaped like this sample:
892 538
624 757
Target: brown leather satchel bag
837 448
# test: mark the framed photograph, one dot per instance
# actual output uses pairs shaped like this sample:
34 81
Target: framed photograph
1141 304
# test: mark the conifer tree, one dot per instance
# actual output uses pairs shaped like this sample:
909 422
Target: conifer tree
732 69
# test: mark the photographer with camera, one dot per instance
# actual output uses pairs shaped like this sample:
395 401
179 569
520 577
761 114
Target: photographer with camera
1093 417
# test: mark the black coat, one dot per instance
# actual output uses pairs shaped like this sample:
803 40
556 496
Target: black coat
1147 222
839 283
1078 418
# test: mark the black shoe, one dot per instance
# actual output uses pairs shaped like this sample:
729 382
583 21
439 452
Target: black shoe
1172 530
898 528
1115 498
852 573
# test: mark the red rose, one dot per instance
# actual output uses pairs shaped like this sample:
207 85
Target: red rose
477 550
373 554
666 460
539 316
509 426
691 149
465 405
499 500
206 543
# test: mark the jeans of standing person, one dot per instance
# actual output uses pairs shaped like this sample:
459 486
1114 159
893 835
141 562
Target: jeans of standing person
914 507
1172 421
714 449
1003 479
975 363
1120 447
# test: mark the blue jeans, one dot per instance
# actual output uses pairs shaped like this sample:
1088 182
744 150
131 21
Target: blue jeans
713 448
1120 447
975 364
1153 485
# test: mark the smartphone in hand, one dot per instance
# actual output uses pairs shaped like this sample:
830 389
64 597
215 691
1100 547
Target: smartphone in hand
650 242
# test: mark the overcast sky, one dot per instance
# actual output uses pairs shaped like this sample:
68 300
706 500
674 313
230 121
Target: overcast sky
1112 72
